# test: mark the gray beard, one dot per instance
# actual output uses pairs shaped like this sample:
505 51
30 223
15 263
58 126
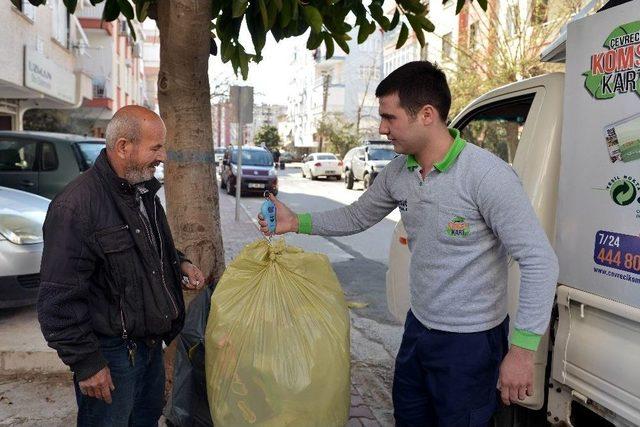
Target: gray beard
135 175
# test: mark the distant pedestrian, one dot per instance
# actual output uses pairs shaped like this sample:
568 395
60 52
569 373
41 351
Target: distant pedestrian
276 156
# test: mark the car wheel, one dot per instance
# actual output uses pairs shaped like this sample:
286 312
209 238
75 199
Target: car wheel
348 180
303 175
366 181
312 176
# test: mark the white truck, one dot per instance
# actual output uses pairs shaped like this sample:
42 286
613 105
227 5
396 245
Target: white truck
574 140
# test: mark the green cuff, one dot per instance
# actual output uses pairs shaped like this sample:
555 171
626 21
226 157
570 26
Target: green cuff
304 223
525 339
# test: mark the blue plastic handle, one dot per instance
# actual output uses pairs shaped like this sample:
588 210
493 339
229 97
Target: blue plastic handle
268 211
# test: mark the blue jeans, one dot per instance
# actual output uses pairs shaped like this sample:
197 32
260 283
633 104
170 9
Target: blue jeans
447 379
138 398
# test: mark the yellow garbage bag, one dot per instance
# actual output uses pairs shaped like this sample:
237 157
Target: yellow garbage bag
277 341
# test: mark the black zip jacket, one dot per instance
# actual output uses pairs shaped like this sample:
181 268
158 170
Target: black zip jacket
107 269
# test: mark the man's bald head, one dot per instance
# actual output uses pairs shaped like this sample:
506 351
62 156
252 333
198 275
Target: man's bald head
128 123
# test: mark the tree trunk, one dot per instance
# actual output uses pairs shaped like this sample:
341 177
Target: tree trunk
183 96
190 181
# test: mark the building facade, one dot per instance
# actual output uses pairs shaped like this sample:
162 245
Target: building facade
115 65
43 48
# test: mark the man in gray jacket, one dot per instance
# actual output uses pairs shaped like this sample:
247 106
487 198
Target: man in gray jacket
465 212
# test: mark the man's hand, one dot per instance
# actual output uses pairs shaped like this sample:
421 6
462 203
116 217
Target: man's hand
516 375
286 220
99 386
194 275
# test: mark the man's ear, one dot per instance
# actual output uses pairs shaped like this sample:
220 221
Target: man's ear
428 114
122 148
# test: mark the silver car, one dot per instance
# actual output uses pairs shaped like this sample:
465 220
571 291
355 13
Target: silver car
21 217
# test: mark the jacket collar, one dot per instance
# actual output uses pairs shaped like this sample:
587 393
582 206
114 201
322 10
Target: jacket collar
121 185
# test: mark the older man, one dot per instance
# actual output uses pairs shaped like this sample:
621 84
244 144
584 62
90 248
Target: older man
111 277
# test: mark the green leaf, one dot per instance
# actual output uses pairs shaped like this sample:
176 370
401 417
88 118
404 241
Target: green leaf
71 5
243 59
126 9
314 40
417 28
313 18
394 20
95 2
133 31
426 24
328 41
257 31
285 13
404 34
342 43
363 33
483 4
239 7
36 2
142 10
263 13
459 6
111 11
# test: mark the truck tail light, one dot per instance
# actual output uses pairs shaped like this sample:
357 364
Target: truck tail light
403 240
318 164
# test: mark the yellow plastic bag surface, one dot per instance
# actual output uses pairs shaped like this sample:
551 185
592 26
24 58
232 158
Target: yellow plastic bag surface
277 341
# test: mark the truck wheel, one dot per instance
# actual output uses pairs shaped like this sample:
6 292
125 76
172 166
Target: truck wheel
348 180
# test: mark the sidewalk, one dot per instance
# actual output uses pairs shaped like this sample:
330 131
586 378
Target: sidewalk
36 388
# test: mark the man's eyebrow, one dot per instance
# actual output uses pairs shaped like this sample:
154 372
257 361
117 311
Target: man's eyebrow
387 116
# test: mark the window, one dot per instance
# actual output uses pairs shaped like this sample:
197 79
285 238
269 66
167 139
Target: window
513 19
446 47
27 9
473 35
497 127
326 157
48 157
381 154
17 155
60 26
539 11
369 72
253 158
89 152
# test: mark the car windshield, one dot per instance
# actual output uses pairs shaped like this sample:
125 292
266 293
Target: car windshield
90 152
219 150
326 157
253 158
381 154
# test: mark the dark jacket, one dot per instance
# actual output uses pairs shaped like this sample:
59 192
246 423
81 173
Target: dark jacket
106 269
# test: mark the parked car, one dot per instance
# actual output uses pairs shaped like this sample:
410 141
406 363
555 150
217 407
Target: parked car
21 217
286 157
258 172
363 163
321 164
44 163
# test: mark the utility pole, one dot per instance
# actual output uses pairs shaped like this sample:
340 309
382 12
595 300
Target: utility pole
242 102
326 82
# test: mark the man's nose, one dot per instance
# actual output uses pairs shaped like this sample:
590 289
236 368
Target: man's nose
162 155
383 129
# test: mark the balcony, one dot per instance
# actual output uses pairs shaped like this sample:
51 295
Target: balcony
102 96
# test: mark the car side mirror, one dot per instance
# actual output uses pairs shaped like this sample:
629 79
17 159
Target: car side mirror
361 158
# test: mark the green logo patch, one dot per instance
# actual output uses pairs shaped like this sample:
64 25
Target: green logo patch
457 227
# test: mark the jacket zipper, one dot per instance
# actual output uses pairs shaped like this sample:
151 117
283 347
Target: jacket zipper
150 236
112 230
125 335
